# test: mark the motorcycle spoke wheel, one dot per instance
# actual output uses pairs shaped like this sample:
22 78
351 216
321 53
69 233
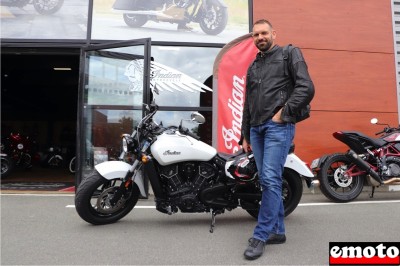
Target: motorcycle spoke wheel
47 7
213 21
335 183
95 199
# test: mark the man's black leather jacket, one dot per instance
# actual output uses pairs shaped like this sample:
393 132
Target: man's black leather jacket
269 87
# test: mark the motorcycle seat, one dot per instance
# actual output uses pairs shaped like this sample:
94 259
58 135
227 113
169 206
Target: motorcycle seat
376 142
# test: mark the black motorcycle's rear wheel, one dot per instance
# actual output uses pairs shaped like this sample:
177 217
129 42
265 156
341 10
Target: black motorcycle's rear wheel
93 199
213 21
334 184
135 21
292 190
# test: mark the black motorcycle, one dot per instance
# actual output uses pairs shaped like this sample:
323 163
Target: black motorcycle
43 7
212 15
368 162
185 174
52 158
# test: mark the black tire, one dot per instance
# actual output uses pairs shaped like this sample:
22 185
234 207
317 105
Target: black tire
135 21
93 195
334 185
214 20
55 162
292 190
72 166
6 166
47 7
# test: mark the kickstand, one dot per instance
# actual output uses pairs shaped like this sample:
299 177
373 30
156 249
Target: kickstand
213 214
372 193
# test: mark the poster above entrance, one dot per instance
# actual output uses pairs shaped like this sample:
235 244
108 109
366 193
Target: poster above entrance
200 21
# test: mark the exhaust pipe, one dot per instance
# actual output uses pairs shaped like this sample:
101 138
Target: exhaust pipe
392 180
364 166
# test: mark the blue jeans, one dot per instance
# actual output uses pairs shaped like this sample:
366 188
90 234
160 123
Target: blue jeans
270 143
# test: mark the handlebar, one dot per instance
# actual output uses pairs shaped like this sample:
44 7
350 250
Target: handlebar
387 130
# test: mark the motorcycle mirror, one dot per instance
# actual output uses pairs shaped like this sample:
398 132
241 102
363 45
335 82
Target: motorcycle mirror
197 117
374 121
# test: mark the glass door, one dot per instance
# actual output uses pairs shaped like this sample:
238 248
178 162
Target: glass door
114 84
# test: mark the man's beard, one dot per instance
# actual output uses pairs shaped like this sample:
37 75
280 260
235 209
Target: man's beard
265 46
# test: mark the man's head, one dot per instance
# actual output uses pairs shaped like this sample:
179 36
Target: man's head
263 35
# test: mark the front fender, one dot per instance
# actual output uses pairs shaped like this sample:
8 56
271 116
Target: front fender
118 169
295 163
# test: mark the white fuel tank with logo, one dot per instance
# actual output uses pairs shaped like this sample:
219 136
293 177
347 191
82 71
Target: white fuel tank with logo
173 147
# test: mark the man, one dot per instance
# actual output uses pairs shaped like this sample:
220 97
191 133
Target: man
277 89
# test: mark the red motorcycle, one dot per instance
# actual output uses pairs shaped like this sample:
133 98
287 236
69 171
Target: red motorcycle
369 161
18 149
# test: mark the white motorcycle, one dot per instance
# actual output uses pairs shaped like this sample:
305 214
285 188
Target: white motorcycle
185 173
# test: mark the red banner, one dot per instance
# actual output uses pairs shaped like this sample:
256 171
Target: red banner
230 70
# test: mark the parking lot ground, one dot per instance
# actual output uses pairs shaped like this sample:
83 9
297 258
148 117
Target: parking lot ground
44 229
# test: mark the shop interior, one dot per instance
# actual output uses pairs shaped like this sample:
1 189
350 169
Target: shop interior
39 99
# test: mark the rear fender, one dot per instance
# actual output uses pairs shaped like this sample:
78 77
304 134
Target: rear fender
117 169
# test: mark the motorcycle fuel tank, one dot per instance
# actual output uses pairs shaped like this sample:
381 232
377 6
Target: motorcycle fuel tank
172 148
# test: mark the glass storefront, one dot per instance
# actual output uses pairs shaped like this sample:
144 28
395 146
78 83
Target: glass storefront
115 88
113 81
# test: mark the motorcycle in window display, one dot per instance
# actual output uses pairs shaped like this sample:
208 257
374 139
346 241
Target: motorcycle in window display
185 174
52 158
211 15
17 151
43 7
368 162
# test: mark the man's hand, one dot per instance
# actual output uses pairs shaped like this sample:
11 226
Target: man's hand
277 117
246 146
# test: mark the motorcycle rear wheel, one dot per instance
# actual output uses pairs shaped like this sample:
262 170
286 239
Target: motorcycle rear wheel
93 196
135 21
334 185
292 190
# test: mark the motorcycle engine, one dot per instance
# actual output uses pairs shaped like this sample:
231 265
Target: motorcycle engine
183 182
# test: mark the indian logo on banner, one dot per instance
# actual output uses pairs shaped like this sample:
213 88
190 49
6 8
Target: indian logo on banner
230 69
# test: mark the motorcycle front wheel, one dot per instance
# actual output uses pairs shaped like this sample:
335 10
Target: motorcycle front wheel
135 21
100 201
213 20
292 190
47 7
335 184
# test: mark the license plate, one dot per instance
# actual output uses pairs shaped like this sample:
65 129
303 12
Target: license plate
314 163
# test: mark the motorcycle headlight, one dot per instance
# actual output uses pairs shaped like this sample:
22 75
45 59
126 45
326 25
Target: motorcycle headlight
126 142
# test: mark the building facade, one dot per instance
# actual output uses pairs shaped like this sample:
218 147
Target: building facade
350 48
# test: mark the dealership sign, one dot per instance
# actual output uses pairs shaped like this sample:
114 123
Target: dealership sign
229 85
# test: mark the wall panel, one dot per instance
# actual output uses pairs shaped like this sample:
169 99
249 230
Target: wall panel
348 45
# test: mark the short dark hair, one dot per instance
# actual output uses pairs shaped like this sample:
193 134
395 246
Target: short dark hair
263 21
